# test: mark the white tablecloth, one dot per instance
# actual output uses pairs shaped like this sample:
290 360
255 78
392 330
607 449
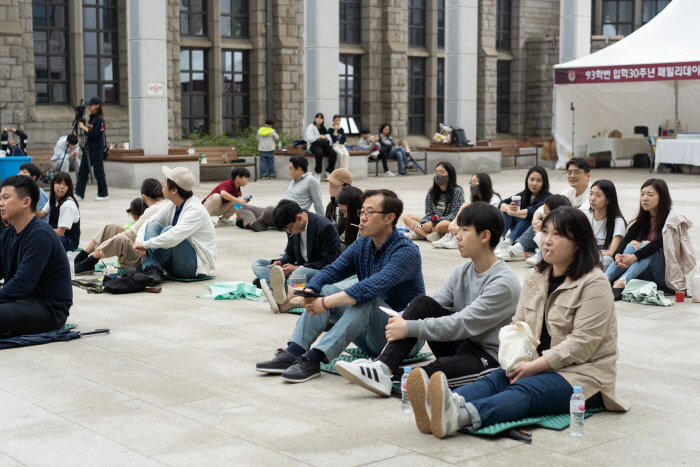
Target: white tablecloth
674 151
620 148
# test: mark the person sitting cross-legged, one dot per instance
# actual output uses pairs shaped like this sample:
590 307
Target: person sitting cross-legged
180 238
461 322
37 294
389 274
312 244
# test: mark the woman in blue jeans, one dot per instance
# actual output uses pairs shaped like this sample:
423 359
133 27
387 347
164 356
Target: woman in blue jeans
640 254
567 303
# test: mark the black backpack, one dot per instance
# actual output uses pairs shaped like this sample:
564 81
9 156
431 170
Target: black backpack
459 138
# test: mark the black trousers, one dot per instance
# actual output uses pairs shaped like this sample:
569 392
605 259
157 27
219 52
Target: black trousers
462 361
324 150
383 156
28 316
96 158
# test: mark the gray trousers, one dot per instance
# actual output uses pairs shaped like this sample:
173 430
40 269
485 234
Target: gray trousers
250 214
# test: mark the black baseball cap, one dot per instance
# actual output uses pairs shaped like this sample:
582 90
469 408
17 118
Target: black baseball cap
94 101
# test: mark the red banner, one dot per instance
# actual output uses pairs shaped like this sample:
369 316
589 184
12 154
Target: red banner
628 73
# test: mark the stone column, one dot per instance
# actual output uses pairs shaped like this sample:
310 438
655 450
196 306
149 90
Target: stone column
148 76
288 68
372 72
461 46
487 81
321 44
394 66
575 27
431 69
215 77
77 64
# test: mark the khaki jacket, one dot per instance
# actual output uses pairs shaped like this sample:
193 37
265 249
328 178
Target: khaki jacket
581 319
678 251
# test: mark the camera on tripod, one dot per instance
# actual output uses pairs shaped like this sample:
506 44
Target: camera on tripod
80 111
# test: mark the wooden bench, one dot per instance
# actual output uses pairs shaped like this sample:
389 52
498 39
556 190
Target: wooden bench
127 168
220 170
411 158
41 158
509 148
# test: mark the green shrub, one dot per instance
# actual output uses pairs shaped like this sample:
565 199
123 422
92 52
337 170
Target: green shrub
244 142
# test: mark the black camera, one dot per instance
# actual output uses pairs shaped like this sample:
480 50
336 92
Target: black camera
80 110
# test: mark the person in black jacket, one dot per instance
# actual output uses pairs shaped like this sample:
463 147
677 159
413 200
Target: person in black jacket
313 243
11 147
37 294
95 147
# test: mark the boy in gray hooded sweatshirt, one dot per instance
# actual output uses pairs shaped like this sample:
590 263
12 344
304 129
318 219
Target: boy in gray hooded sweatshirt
461 322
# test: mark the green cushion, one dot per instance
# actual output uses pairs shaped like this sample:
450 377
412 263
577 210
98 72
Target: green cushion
200 277
356 354
553 422
297 311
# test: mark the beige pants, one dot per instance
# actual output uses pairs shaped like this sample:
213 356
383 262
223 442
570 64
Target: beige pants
117 244
216 207
343 161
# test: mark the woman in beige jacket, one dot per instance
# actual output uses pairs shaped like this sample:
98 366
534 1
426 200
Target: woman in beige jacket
567 302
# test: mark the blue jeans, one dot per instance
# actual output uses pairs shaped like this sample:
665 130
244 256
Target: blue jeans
267 163
263 273
493 399
651 269
527 239
399 153
516 225
364 325
180 260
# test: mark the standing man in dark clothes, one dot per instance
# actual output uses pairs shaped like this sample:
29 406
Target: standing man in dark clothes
37 294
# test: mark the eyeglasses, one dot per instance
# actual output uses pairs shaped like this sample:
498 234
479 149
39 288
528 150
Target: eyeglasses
574 172
289 228
369 214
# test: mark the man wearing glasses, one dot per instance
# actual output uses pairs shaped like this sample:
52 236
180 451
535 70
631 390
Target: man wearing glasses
389 274
312 244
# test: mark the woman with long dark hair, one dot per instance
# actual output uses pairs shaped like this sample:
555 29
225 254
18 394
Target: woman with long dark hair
95 152
319 142
337 182
517 216
442 204
567 304
348 205
338 143
643 250
606 219
389 150
63 211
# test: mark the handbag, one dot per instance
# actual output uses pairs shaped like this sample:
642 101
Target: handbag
518 345
105 150
47 176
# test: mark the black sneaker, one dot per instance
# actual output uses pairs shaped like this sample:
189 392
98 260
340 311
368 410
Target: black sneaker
81 256
154 273
258 226
280 362
86 266
256 283
302 370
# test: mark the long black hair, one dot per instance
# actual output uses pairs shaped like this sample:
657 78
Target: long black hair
613 208
435 191
321 129
485 188
527 194
662 210
572 223
65 178
350 197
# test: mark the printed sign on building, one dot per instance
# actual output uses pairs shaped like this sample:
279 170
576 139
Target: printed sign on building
627 73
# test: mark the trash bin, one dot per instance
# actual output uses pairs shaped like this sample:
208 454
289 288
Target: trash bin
10 165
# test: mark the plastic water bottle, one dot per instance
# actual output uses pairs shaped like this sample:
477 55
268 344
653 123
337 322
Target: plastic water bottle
405 404
577 408
71 264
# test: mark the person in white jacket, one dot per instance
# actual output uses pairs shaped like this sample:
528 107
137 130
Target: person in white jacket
180 238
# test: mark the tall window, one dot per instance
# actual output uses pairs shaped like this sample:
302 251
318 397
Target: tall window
51 59
234 18
350 17
101 50
350 93
193 17
194 91
503 24
416 23
651 8
236 90
441 24
440 92
503 96
416 95
618 17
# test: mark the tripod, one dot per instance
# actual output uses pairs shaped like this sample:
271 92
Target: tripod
82 142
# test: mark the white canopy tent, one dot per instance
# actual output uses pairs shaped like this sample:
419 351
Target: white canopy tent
647 78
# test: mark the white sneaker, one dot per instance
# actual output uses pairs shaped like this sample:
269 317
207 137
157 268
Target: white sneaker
503 246
278 284
317 176
531 260
513 253
268 295
102 198
445 238
327 175
389 173
451 244
433 237
444 417
224 221
417 391
373 376
374 154
413 236
79 198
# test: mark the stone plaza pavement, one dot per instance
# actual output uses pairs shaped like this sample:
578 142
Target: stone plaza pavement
174 381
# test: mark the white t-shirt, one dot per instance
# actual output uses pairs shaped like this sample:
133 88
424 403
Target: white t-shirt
69 214
599 228
580 201
495 200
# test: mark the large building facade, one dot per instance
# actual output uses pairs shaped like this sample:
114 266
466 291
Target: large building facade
232 63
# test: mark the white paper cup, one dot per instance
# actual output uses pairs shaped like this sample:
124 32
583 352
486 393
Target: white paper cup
516 200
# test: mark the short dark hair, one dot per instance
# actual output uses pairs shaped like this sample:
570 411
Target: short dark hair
33 170
572 223
25 187
364 130
556 201
483 216
285 213
391 203
299 162
579 162
72 139
180 192
240 172
269 121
